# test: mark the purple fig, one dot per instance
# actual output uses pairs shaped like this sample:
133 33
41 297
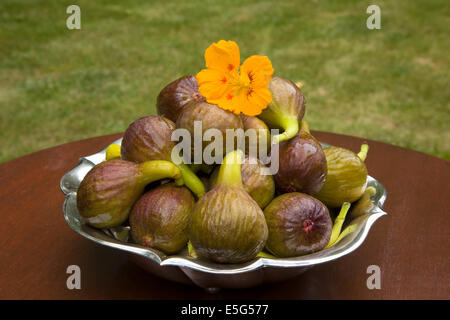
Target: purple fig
149 138
211 117
286 109
298 224
263 139
160 217
227 225
176 96
109 190
302 165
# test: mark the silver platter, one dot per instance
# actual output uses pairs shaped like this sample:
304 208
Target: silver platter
211 276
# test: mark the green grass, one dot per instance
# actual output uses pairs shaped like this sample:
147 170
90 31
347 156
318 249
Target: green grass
58 85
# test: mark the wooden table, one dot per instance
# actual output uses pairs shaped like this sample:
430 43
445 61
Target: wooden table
410 245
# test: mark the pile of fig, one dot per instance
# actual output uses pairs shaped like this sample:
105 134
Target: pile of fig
236 210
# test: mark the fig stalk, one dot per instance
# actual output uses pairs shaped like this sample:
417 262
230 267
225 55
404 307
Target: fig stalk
230 170
112 152
157 170
363 153
291 128
337 226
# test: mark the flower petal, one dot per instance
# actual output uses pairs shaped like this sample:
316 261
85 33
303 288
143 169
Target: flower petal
223 56
259 69
212 84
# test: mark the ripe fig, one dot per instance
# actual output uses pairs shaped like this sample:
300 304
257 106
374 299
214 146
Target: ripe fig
263 138
149 138
160 217
302 164
227 225
298 224
346 176
258 185
211 117
109 190
286 109
176 96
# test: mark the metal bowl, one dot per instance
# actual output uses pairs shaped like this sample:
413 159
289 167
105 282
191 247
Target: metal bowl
211 276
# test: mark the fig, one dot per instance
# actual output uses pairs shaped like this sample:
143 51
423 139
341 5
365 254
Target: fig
263 140
211 117
346 176
286 109
160 217
176 96
113 152
149 138
227 225
298 224
302 164
109 190
258 185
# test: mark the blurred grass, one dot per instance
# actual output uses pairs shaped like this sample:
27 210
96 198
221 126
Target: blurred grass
58 85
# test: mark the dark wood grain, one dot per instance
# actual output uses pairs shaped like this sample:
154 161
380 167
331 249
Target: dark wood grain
411 244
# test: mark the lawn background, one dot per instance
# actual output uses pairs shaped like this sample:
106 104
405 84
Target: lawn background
58 85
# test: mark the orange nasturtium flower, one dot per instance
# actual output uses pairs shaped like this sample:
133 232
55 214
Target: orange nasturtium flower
237 89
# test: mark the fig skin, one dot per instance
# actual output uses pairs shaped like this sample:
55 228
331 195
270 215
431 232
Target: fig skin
109 190
227 225
298 224
176 96
302 165
260 187
346 177
286 109
148 138
262 132
212 117
160 217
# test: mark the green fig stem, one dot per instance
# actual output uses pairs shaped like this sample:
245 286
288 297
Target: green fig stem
112 152
230 170
338 224
192 181
157 170
263 254
191 250
347 231
290 126
363 153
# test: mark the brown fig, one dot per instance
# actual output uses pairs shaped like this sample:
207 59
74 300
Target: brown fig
256 180
262 141
227 225
302 165
109 190
286 109
176 96
210 116
160 217
298 224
